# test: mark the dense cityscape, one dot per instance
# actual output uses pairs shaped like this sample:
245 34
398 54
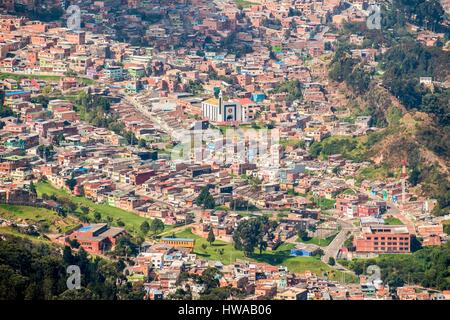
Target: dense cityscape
224 150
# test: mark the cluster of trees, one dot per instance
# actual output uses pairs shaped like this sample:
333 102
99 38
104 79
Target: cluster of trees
352 71
292 87
233 45
95 109
427 267
4 110
205 199
404 64
126 246
242 205
425 13
271 23
41 12
42 100
156 226
254 233
346 146
433 182
38 272
45 152
194 87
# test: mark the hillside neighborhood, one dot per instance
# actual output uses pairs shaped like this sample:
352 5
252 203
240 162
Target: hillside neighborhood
221 150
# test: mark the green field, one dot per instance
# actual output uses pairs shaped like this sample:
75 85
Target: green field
244 3
391 221
230 254
322 242
20 76
280 256
39 216
13 232
324 203
131 220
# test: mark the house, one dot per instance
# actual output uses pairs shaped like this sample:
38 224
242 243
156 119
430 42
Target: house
292 294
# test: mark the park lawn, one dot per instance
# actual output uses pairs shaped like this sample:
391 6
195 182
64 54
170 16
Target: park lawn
230 254
391 221
280 256
322 242
33 215
131 220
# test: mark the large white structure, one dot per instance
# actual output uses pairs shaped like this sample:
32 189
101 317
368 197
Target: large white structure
216 110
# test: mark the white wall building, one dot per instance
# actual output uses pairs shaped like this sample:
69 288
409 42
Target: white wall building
216 110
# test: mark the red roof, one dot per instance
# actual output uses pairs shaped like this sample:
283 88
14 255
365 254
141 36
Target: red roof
244 101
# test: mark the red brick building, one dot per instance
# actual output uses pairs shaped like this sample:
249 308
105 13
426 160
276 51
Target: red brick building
383 239
97 238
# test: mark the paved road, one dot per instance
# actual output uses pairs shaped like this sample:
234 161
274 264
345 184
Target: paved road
332 249
146 113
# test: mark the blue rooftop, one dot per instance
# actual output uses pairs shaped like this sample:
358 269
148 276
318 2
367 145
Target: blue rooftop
12 93
180 239
85 229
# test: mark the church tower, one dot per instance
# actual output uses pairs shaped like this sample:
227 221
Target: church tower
221 107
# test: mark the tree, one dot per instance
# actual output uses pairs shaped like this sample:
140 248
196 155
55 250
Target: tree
210 278
145 227
142 143
75 294
74 244
67 255
303 235
209 202
37 271
205 198
97 216
33 188
312 228
211 238
156 226
45 152
125 246
262 244
337 170
71 183
414 177
331 261
253 233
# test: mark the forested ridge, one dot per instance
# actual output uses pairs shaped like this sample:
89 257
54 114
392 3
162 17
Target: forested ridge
33 271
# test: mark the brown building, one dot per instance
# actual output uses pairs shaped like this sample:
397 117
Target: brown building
97 238
383 239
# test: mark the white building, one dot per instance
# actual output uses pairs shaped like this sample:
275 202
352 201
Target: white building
216 110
